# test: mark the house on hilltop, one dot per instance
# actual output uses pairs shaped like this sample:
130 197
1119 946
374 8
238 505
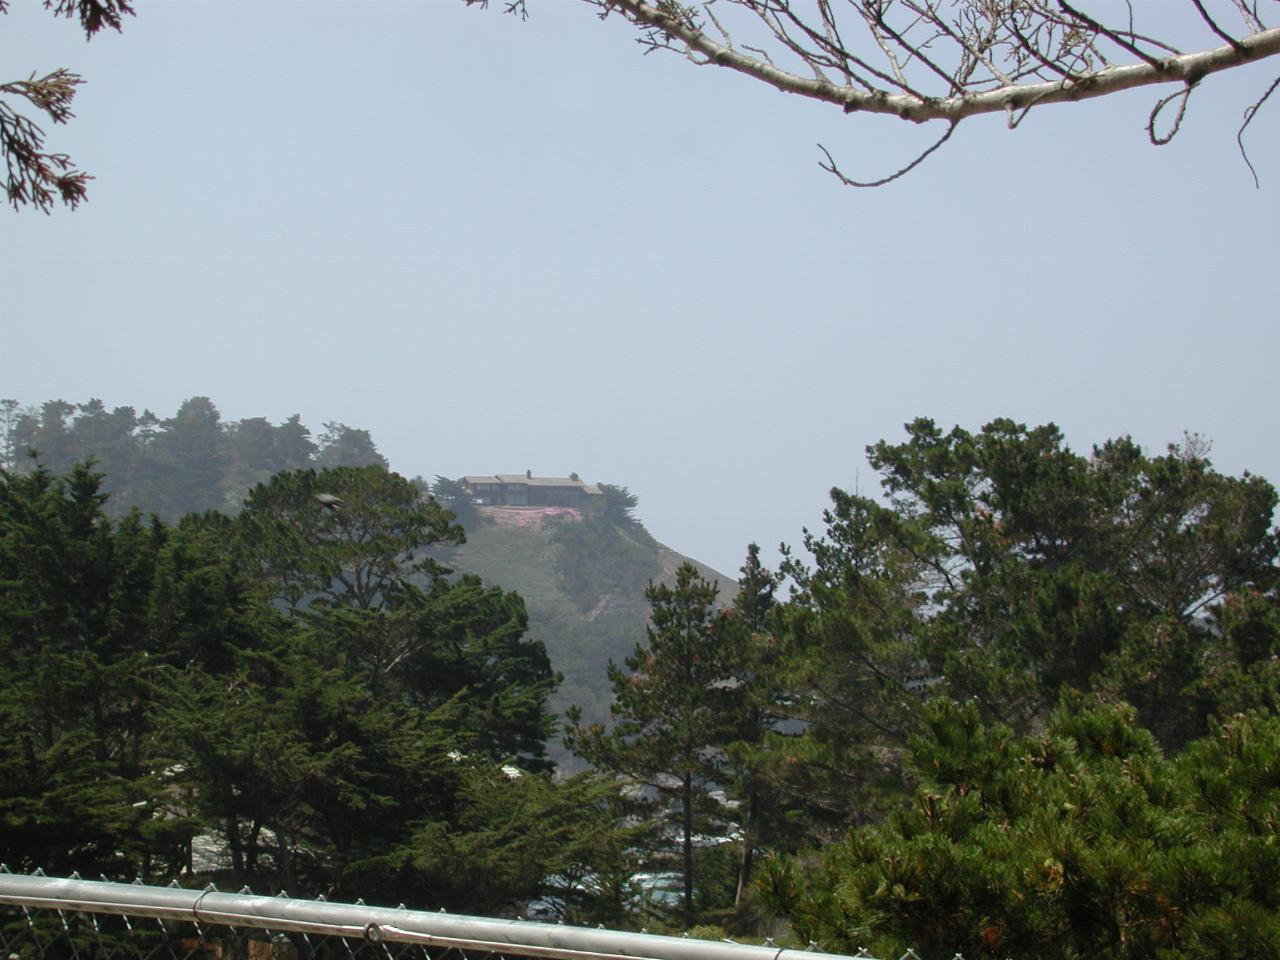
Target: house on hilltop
526 490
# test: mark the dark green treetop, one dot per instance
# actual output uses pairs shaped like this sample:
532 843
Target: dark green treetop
357 556
75 751
1083 841
341 445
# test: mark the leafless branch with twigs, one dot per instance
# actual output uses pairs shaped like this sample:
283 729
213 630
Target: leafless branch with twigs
948 60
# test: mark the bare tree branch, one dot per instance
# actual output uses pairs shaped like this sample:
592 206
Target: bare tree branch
975 98
1182 97
1116 38
830 165
988 55
1248 15
1204 15
1249 114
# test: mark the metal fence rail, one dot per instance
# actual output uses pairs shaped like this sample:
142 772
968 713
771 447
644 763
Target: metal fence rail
56 918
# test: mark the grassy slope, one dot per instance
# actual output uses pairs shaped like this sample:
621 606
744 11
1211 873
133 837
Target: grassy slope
582 633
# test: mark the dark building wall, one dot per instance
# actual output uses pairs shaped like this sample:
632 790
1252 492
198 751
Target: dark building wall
514 493
555 496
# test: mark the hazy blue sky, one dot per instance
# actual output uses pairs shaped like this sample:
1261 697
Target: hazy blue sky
502 245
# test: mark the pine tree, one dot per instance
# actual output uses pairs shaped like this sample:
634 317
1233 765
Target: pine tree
754 653
1082 841
75 755
672 716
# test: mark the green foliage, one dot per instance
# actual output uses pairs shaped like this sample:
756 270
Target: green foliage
524 836
600 556
620 503
360 577
341 445
300 687
305 771
73 660
1083 841
1002 575
1005 568
1042 688
1116 552
457 499
669 716
764 817
580 644
189 460
256 450
188 463
357 556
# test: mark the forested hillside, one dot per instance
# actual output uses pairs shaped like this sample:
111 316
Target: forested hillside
1023 703
582 578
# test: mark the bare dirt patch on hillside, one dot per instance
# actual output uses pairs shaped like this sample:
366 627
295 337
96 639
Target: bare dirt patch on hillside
528 516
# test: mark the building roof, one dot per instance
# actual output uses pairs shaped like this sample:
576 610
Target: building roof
520 479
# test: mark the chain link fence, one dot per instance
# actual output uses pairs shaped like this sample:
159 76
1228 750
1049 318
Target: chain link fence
47 918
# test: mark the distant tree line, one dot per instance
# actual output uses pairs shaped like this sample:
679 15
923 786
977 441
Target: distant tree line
187 463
